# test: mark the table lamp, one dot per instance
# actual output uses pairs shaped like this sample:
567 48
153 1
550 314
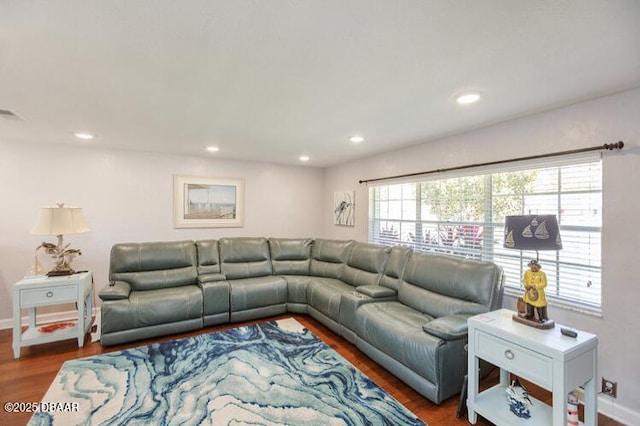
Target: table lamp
533 232
60 220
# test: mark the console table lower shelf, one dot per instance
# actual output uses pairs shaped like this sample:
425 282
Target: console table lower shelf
492 405
33 336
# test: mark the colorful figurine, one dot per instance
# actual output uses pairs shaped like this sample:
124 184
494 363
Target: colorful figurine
535 281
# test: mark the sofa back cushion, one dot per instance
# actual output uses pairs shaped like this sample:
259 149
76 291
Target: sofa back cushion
395 267
328 257
365 264
290 256
208 257
154 265
440 285
244 257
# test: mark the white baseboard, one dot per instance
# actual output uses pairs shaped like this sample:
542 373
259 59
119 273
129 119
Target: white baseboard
622 414
609 407
55 317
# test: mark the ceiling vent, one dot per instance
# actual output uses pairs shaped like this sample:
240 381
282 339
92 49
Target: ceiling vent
9 115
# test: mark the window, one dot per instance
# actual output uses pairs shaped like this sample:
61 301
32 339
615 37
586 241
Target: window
464 216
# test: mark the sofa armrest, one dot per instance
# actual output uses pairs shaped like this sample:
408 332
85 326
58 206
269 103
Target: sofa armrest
116 290
450 327
209 278
376 291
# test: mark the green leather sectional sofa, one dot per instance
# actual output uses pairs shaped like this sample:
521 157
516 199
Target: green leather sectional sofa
406 310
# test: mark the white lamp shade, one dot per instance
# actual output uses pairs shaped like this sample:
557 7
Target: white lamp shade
60 221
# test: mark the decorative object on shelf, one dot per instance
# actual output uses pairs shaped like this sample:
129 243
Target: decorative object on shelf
533 232
518 398
58 221
38 268
344 205
572 410
204 202
50 328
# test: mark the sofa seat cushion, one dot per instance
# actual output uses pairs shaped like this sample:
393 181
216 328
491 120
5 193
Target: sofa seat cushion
152 307
324 295
250 293
297 288
396 330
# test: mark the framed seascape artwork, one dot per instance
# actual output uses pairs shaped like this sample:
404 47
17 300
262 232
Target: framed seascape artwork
344 205
204 202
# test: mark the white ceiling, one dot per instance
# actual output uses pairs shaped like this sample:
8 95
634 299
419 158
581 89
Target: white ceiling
269 80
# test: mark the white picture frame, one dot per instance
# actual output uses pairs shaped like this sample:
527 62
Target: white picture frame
208 202
344 208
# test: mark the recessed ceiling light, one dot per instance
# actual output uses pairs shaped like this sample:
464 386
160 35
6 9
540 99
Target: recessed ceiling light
356 139
304 158
83 135
468 98
212 149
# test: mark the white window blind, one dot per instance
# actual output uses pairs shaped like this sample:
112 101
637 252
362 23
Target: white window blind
464 216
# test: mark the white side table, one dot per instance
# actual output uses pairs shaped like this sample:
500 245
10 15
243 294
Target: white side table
30 293
545 357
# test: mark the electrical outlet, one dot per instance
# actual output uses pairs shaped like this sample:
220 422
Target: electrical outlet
609 387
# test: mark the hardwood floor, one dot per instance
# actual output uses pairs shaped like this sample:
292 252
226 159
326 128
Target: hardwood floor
28 378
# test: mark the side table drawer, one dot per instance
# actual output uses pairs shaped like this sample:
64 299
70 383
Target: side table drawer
516 359
51 295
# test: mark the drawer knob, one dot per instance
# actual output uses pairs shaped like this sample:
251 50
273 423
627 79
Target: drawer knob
49 294
509 354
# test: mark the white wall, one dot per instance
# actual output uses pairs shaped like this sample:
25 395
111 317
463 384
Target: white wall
128 196
587 124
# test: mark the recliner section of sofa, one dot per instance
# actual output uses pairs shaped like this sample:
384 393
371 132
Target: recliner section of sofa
383 288
358 265
254 291
153 292
420 337
291 259
328 259
404 309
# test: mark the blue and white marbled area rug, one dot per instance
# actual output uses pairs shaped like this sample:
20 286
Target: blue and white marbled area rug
267 374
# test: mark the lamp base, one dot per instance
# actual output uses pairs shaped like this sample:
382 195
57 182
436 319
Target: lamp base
521 317
61 273
545 325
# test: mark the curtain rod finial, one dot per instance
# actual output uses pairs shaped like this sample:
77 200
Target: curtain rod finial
612 146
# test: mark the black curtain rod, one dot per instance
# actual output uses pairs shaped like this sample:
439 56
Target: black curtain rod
606 146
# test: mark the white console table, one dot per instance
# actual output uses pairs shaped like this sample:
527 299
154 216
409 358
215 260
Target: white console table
545 357
30 293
